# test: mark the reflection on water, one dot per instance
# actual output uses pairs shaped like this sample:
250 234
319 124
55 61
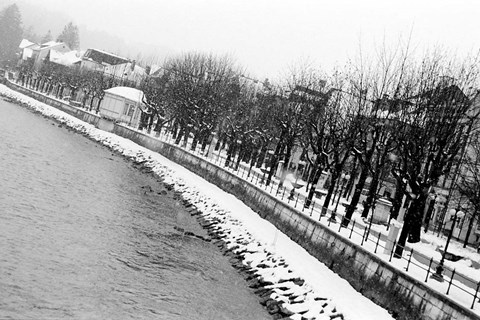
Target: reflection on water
84 235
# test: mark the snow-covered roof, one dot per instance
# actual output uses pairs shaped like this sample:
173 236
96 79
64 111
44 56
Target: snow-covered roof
26 43
50 44
103 57
66 59
127 92
109 53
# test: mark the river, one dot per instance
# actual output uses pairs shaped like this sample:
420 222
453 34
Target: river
86 235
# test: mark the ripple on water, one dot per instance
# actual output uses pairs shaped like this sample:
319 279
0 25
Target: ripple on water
82 236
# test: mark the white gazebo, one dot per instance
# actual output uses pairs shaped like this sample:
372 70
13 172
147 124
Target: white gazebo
122 104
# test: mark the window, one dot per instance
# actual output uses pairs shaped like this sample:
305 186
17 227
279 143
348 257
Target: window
131 110
128 109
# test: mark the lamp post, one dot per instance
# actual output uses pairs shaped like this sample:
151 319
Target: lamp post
343 178
457 213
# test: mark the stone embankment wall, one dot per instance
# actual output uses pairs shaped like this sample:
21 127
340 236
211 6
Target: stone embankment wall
392 289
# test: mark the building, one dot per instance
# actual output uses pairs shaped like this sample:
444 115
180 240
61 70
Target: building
40 53
26 50
66 59
129 71
123 104
99 60
120 68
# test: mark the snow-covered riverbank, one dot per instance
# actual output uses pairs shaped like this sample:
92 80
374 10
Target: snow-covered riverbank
308 288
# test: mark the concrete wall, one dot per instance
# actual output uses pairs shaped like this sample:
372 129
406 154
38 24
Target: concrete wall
385 285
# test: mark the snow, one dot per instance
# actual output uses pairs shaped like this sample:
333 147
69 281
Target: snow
65 58
25 44
127 93
320 281
50 44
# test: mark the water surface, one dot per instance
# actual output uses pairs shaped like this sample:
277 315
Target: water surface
85 235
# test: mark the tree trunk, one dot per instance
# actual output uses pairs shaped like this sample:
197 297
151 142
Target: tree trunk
241 153
261 157
194 142
428 216
174 129
179 136
355 198
285 169
230 153
186 135
204 142
372 194
316 177
469 230
397 200
351 181
274 162
412 224
331 189
252 161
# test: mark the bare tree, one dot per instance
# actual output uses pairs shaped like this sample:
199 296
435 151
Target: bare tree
433 130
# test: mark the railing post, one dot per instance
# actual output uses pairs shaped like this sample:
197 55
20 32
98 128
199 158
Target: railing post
283 193
378 240
475 295
313 206
298 196
428 271
364 233
451 280
353 226
393 249
409 259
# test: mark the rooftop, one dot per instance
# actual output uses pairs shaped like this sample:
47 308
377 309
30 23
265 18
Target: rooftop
104 57
127 93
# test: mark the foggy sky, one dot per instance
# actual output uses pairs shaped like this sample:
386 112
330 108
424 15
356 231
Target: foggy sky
267 36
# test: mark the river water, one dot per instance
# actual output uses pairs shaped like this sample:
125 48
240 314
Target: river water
85 235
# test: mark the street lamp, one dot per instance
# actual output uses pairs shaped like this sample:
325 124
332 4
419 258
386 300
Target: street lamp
344 178
457 214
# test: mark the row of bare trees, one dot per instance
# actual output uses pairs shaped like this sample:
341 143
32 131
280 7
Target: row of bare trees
86 86
397 116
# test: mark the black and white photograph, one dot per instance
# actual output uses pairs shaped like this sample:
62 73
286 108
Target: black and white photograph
239 160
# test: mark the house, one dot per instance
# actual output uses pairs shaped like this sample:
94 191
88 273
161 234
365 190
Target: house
129 71
26 50
122 104
39 53
67 59
118 67
99 60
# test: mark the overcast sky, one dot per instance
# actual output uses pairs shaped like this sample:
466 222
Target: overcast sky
268 36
